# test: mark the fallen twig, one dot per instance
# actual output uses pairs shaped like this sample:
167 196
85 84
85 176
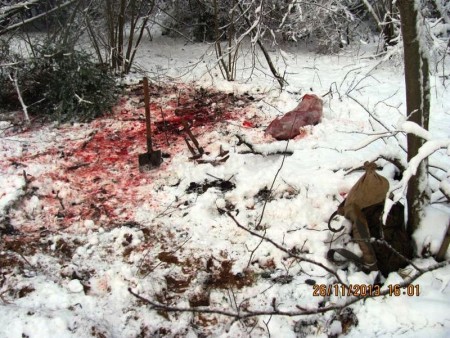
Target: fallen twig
241 140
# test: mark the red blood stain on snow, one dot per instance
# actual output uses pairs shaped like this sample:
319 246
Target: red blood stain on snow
98 178
248 124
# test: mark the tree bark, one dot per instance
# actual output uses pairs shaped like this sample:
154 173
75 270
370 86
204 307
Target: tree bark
417 104
120 32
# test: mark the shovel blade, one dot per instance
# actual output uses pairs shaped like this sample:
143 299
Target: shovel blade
150 160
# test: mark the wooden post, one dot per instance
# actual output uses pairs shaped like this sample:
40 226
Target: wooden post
147 116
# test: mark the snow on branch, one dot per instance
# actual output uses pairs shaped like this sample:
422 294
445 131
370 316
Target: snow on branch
8 10
413 128
19 95
81 100
444 187
372 139
443 7
4 16
372 11
431 145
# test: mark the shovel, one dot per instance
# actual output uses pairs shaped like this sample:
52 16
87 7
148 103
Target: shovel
152 158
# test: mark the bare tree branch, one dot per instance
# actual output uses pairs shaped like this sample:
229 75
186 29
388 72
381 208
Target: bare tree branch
19 95
283 249
246 313
280 79
25 22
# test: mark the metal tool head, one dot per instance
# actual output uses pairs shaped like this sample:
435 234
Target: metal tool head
150 160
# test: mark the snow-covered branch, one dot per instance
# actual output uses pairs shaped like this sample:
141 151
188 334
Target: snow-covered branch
9 10
24 22
431 145
19 95
81 100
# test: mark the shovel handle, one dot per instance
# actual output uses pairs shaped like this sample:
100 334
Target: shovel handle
147 115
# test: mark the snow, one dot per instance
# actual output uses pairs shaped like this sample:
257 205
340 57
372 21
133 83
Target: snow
430 237
67 273
75 286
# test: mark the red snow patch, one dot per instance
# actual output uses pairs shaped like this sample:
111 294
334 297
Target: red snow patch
92 170
248 124
198 107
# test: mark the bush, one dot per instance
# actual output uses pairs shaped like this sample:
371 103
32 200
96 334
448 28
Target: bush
62 86
8 96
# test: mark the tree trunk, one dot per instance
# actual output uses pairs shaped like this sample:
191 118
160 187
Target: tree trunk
417 104
120 29
111 26
382 12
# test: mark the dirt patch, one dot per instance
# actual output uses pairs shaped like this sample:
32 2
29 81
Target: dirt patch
168 257
348 320
199 299
5 227
283 279
178 284
201 188
223 278
21 245
160 332
205 320
98 333
62 248
263 195
9 261
25 291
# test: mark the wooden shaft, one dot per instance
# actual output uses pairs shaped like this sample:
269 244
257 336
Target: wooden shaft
147 116
192 137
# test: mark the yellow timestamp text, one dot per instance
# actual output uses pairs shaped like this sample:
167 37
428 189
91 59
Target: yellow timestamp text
364 290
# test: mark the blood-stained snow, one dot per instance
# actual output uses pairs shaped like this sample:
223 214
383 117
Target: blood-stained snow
90 171
81 224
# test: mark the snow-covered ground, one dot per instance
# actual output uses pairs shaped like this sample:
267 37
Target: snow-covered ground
89 226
